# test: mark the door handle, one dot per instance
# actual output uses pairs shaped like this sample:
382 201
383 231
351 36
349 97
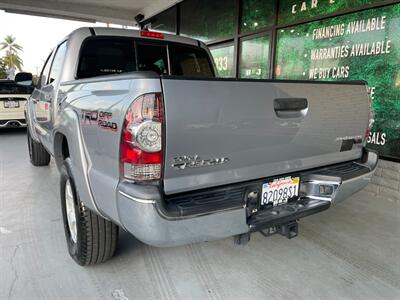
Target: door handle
288 108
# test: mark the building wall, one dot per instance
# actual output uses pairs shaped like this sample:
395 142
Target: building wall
386 182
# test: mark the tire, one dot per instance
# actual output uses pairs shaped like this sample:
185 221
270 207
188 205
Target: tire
95 238
38 155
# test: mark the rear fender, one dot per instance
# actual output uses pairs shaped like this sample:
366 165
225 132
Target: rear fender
69 126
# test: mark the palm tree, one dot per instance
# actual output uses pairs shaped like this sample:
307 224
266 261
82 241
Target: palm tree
3 69
9 43
12 58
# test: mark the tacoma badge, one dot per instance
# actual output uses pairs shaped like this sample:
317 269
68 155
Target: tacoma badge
194 161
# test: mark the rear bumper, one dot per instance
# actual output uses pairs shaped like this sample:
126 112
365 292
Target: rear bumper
143 212
12 123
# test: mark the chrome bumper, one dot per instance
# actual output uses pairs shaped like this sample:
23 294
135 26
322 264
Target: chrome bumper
13 124
141 212
342 188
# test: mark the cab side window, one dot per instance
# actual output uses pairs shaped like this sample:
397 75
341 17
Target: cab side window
58 61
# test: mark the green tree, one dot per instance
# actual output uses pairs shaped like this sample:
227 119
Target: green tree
12 58
3 69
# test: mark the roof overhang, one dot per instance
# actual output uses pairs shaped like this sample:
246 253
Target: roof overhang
121 12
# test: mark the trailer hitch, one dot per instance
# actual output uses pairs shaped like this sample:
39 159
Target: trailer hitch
289 230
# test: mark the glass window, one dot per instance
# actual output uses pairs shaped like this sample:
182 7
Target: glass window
104 56
292 11
164 22
10 87
152 57
224 56
57 62
256 14
46 69
207 20
357 46
254 58
190 61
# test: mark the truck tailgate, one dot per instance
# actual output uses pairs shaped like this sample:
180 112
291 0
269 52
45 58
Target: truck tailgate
225 131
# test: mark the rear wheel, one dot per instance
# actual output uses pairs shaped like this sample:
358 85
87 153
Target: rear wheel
91 239
38 155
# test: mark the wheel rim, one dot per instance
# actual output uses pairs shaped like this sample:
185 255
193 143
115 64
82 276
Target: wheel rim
70 210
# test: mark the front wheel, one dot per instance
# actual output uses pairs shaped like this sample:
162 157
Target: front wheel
91 239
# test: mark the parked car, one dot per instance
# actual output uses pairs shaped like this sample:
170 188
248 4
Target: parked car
147 139
13 97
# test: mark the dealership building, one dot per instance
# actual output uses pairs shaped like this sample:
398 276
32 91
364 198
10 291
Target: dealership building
331 40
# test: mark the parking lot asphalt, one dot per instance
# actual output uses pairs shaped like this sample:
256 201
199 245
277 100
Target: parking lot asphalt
351 251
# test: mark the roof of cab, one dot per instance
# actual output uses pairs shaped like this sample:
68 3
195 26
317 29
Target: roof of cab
107 31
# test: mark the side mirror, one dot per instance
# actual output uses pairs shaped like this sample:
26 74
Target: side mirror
24 78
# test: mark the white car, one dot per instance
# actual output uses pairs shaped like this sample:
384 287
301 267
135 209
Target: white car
13 97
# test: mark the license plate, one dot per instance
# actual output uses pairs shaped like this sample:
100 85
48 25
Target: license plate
279 191
11 104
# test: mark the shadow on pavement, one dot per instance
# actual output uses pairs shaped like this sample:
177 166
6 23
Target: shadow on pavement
16 131
127 244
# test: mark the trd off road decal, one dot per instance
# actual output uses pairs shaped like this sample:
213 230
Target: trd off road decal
89 117
103 119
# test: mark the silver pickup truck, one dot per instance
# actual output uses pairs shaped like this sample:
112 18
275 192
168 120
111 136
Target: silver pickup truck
147 139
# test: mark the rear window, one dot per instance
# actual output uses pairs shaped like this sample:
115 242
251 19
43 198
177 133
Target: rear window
104 56
190 61
10 87
152 57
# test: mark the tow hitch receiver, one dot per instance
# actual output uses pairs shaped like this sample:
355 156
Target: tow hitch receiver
289 230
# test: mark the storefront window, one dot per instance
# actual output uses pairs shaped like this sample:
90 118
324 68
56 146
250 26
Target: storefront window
291 11
256 14
357 46
207 20
164 22
224 56
254 58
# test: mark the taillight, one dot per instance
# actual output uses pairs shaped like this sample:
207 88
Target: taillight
141 152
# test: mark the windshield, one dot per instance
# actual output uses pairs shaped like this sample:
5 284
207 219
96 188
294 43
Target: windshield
116 55
10 87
